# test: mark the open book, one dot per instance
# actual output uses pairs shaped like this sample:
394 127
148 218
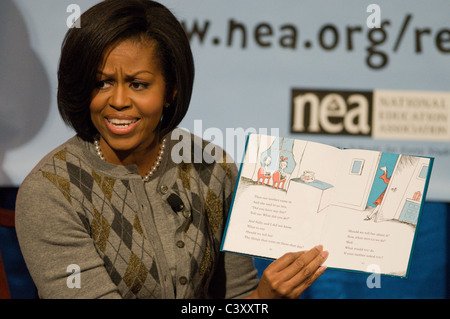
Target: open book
362 206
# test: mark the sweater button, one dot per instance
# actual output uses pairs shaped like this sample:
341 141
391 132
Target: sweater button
180 244
163 189
183 280
187 213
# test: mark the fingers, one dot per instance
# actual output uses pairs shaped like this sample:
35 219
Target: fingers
292 273
285 260
306 282
293 263
307 263
306 275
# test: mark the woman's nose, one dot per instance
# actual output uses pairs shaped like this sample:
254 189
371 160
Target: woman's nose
119 98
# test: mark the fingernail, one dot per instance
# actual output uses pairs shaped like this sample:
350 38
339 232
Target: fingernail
319 247
322 269
324 254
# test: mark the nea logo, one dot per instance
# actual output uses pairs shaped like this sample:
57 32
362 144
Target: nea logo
331 112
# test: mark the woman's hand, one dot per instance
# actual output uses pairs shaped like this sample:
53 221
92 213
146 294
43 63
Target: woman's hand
291 274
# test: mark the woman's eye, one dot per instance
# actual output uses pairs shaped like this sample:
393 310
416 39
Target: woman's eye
102 84
139 85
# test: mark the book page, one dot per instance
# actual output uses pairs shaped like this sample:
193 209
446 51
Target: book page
381 234
360 244
269 226
278 197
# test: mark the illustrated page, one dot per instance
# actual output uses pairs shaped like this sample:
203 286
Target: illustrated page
362 206
283 184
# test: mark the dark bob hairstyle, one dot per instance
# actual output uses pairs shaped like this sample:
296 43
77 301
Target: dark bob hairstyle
105 25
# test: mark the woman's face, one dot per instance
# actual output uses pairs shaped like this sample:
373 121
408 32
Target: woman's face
127 104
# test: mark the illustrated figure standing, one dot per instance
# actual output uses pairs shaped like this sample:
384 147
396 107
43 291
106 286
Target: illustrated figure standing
379 200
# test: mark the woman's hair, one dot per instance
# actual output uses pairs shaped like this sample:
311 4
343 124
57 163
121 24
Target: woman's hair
106 24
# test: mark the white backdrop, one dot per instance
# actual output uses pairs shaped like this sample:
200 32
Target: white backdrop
250 56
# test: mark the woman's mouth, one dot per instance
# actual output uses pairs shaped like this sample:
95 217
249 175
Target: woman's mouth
121 123
121 126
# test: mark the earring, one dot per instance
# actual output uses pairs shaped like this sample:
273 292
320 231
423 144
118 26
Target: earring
167 104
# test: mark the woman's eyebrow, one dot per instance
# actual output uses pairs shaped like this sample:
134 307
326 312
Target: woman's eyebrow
126 75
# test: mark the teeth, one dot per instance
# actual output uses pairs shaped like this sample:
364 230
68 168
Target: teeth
118 122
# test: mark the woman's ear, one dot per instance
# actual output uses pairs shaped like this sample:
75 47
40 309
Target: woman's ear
174 95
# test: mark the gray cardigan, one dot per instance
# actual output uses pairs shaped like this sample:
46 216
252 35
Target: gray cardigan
127 237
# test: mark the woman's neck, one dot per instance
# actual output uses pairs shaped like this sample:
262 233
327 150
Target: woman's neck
143 158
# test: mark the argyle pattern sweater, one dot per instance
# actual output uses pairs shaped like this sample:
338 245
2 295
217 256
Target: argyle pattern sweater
76 211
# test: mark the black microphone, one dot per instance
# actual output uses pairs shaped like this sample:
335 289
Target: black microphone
175 202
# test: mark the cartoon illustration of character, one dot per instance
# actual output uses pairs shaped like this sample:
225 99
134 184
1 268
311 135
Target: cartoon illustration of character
279 177
264 173
377 203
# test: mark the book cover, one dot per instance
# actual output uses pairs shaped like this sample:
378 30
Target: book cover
363 206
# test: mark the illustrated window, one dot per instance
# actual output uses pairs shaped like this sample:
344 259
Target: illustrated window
423 172
357 166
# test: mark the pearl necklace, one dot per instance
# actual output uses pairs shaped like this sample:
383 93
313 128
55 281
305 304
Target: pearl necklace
152 170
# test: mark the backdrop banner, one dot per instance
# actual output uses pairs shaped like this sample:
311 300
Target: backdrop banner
353 74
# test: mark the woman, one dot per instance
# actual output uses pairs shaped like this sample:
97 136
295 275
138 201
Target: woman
112 201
